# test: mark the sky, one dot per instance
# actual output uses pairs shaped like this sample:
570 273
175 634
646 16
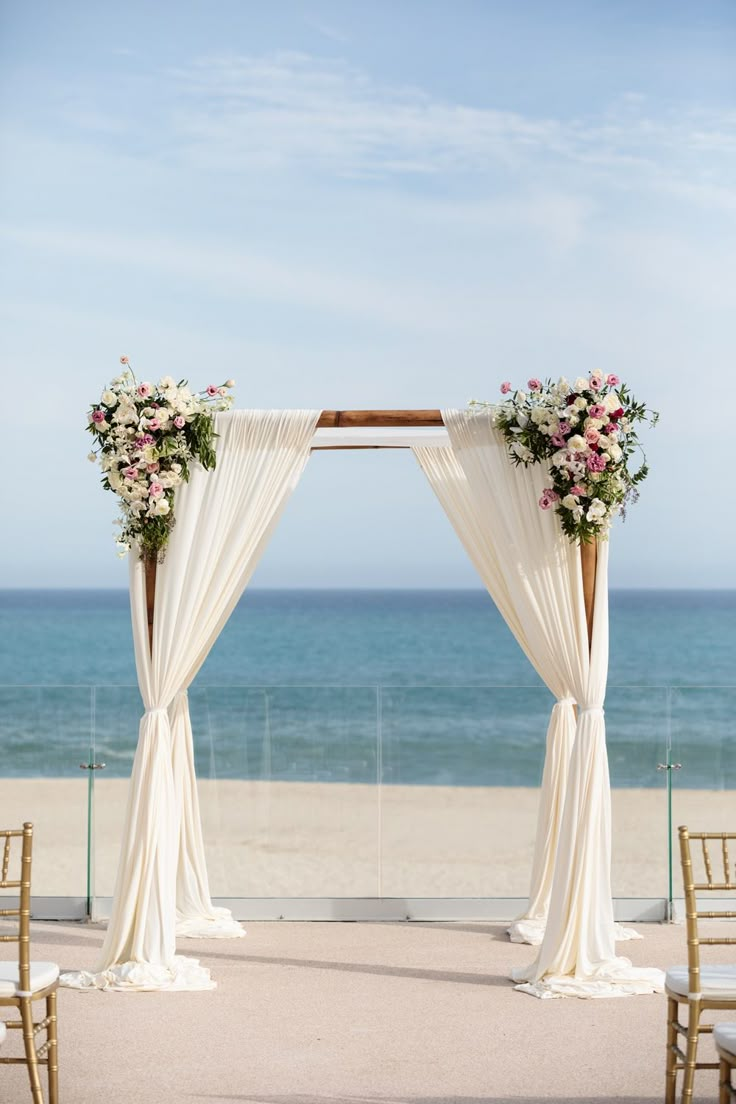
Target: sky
348 205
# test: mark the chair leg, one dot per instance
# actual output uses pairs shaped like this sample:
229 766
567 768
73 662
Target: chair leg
724 1081
53 1067
670 1082
691 1054
29 1044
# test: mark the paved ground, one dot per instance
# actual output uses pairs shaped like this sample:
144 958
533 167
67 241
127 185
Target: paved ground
356 1014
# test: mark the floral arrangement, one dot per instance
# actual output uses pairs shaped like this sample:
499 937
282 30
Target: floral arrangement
146 438
587 432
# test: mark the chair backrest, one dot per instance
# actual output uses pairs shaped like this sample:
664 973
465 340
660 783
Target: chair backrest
716 869
22 934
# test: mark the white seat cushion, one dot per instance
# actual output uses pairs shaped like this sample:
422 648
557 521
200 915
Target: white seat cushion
724 1036
716 982
42 974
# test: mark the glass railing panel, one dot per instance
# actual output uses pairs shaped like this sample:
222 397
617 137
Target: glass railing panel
45 734
460 770
287 786
118 711
637 739
704 763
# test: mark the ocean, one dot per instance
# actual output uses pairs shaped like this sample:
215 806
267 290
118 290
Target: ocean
397 686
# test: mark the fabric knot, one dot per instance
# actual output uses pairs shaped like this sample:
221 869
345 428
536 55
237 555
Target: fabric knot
566 701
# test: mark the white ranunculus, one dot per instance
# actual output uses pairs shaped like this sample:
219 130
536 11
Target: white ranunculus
581 384
577 443
538 415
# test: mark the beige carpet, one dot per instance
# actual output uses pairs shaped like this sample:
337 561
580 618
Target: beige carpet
379 1013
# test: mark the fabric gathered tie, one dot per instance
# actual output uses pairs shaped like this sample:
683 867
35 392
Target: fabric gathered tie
591 709
156 709
566 701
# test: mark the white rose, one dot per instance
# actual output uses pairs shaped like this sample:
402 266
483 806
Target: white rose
538 415
581 384
614 451
570 502
573 419
603 441
160 508
611 402
109 398
580 403
577 443
165 383
596 511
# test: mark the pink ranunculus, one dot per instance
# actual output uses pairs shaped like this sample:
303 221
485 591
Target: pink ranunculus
155 490
505 387
597 410
595 462
558 440
578 490
154 424
144 390
612 380
534 384
124 360
592 436
549 497
153 467
212 390
596 383
179 422
147 439
98 416
131 473
565 427
610 430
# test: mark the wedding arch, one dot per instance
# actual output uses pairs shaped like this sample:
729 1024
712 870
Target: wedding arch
552 593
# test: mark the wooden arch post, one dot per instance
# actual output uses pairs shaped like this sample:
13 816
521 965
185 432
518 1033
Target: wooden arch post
398 419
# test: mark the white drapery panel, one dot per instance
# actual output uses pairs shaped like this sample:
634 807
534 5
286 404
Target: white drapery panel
224 520
542 582
491 531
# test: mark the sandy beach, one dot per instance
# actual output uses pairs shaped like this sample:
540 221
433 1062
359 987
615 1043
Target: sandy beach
290 839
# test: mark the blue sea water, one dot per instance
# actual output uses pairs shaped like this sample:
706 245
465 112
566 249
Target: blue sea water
405 686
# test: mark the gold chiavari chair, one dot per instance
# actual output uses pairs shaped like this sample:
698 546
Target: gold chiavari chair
699 987
724 1036
23 982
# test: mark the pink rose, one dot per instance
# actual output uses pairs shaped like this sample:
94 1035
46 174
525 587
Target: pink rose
154 424
144 390
179 422
565 427
558 440
131 473
610 430
612 381
153 467
597 410
534 384
595 462
549 497
592 436
155 490
578 490
596 383
98 416
212 390
505 387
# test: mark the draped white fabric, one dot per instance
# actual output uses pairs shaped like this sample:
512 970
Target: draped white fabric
224 521
530 566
